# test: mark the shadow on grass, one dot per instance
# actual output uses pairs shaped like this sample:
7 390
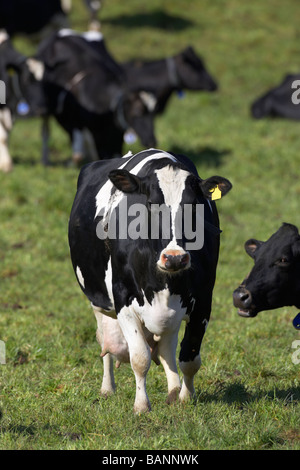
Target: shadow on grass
207 155
156 19
237 394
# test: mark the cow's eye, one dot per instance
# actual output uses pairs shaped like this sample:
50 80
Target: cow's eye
283 261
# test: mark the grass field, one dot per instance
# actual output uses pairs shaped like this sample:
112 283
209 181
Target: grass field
248 388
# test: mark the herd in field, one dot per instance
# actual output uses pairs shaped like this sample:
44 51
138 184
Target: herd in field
144 229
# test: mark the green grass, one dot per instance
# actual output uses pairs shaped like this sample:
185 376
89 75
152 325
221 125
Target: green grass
248 389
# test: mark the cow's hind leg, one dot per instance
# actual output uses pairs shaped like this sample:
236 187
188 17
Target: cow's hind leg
108 386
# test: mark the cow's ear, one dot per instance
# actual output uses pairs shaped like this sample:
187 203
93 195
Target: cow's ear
215 187
125 181
251 246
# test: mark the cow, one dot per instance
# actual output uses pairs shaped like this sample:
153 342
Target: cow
23 94
143 285
274 281
278 102
163 77
86 93
33 17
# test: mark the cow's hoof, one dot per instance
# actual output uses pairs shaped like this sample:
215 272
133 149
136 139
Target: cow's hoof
142 408
173 396
6 167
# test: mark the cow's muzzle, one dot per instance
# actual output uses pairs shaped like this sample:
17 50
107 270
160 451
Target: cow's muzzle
173 261
242 299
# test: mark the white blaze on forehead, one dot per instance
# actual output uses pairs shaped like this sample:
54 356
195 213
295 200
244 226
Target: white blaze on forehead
80 276
105 201
172 183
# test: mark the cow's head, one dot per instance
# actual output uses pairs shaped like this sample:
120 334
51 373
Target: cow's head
192 73
136 111
274 280
167 191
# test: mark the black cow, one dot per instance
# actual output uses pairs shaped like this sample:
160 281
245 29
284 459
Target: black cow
142 274
279 101
24 95
274 280
183 71
32 16
86 91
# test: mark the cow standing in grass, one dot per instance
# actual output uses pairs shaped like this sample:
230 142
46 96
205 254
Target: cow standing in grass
143 285
87 93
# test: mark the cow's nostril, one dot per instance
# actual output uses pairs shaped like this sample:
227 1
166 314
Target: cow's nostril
185 259
242 297
173 261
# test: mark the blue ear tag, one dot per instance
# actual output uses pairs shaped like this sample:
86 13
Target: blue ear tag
130 136
180 94
296 321
23 108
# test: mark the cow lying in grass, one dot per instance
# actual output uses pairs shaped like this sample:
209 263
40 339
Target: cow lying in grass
274 280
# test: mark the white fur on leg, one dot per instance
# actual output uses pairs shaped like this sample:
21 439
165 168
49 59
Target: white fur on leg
108 386
140 355
6 163
189 369
167 355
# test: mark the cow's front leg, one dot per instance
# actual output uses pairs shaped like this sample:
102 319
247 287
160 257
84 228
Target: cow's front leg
189 357
139 353
167 355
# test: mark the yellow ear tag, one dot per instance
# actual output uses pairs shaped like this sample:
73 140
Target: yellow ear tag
216 193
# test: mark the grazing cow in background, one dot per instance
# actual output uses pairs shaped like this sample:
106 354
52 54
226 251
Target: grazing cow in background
274 280
86 92
24 94
33 17
278 102
143 283
184 71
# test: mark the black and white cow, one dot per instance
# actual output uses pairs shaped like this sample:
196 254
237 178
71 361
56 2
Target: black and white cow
142 280
274 280
163 77
87 93
278 102
33 16
21 77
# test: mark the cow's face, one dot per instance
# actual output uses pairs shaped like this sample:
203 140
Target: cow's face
169 190
138 114
274 280
192 72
